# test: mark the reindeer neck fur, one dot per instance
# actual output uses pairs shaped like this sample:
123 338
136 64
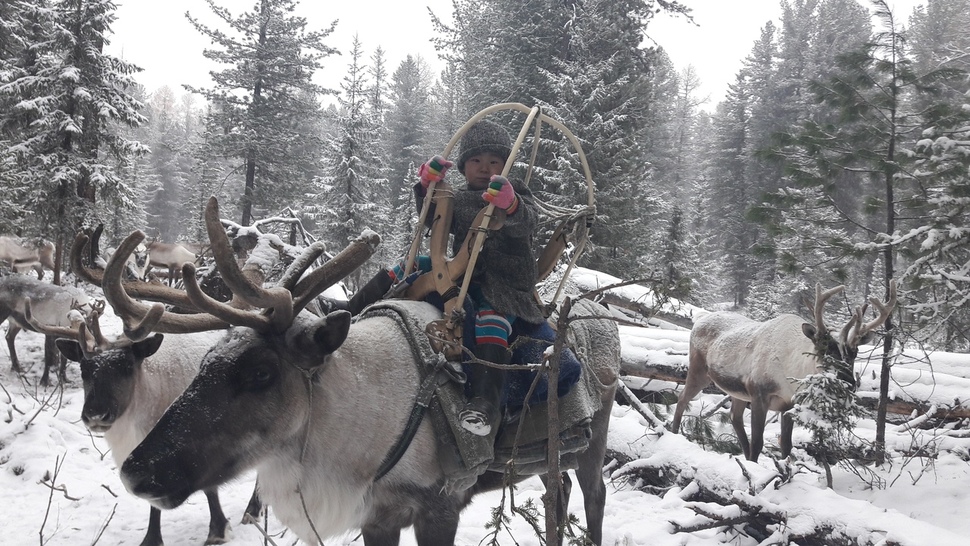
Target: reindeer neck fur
335 472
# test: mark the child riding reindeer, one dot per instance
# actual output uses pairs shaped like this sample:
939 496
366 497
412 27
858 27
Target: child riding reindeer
504 275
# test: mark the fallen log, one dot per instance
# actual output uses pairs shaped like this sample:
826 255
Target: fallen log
639 308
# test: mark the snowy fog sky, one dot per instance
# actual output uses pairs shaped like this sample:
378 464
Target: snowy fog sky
723 36
157 37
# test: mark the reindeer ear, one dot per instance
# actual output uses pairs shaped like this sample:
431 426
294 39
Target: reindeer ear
809 330
70 349
331 331
147 347
866 339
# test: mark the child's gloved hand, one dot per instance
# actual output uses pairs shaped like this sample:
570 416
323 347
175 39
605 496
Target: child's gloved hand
433 170
501 194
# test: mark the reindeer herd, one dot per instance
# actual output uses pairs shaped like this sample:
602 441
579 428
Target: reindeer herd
314 402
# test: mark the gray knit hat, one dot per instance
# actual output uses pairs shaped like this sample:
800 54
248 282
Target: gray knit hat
482 137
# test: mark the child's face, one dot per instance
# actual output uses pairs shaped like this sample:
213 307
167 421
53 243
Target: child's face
480 168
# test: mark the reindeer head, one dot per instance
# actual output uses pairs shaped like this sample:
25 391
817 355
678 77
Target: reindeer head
108 377
843 349
253 371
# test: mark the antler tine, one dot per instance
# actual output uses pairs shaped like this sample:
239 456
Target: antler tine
301 264
885 309
147 325
849 333
820 299
99 343
93 322
136 312
341 265
226 312
278 301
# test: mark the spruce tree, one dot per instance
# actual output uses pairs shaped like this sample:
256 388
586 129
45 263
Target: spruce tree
349 194
68 98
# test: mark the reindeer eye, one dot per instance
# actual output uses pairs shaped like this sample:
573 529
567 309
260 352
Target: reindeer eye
258 378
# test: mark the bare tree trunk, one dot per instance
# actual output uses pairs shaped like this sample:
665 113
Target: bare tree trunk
887 254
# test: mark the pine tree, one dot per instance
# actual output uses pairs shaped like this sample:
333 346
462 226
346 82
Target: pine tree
731 190
408 143
264 97
939 250
165 194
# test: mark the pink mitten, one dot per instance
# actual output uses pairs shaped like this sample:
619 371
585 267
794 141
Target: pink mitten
501 194
433 171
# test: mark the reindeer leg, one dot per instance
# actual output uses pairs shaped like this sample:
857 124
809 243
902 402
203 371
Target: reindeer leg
567 486
589 473
697 380
385 536
437 525
12 330
759 415
153 537
737 421
218 524
253 509
787 427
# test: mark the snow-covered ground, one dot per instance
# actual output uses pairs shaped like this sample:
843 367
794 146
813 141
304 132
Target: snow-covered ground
59 486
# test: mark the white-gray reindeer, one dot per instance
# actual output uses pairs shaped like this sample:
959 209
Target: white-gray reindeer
314 404
171 257
26 301
127 387
757 362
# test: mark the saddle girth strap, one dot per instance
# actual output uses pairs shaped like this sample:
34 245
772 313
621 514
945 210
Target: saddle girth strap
420 351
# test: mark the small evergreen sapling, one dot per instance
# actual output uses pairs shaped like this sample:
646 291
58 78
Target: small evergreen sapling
827 407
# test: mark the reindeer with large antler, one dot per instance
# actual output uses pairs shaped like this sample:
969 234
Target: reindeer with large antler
756 362
315 404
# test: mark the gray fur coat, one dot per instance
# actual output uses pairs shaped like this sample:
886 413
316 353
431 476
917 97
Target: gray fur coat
506 267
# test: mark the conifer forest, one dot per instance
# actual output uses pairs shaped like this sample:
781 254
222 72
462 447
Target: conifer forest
839 155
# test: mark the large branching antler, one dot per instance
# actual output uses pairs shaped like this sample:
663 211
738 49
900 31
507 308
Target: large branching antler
280 305
140 318
853 337
338 267
276 303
